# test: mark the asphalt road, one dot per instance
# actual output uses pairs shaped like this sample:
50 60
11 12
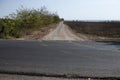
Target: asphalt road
93 59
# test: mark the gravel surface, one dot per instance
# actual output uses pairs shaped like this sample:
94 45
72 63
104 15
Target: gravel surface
22 77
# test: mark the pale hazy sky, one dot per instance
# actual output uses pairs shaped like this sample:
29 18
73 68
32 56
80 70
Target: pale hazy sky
69 9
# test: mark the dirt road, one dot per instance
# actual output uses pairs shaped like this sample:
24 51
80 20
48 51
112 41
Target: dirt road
62 32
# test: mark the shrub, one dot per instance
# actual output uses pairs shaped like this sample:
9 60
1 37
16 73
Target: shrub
24 20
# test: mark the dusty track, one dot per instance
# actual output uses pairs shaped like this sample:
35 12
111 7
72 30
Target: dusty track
62 32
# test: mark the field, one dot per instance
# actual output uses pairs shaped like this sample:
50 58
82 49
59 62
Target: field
108 29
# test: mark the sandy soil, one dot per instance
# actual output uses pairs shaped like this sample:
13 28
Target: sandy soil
55 32
62 32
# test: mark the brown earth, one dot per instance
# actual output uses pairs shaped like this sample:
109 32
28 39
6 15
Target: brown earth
63 32
38 34
54 32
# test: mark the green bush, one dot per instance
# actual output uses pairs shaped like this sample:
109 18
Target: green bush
25 20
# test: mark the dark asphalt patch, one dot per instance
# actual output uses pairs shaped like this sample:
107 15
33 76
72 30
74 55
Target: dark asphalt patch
89 59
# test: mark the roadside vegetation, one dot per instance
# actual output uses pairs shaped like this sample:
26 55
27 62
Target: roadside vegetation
103 31
24 21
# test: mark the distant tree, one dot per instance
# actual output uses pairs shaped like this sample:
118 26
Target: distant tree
62 19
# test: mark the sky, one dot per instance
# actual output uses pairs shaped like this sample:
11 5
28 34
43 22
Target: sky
68 9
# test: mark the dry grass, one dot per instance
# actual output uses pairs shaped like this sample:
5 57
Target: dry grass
38 34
